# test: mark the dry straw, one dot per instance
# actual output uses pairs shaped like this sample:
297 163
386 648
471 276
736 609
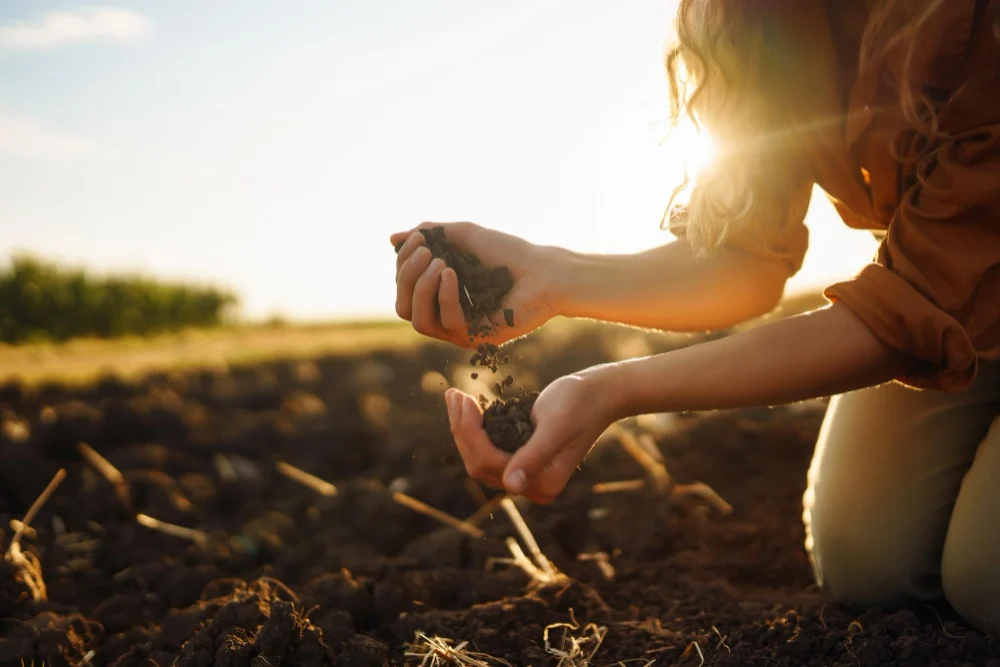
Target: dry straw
644 450
320 486
441 651
108 471
27 564
437 515
538 567
198 537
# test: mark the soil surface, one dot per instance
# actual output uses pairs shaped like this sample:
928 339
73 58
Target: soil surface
288 575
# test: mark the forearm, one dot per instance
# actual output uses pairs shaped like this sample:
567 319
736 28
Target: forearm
819 354
670 288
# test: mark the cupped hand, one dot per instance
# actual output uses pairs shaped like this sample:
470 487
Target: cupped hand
427 292
569 416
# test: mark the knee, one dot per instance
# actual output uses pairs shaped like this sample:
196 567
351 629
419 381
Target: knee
868 563
971 581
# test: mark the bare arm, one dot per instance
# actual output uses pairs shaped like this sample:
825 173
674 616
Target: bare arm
664 288
822 353
670 288
826 352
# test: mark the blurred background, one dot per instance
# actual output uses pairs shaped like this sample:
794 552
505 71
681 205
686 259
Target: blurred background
269 148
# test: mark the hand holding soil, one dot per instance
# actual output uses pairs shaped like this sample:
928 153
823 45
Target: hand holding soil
432 267
569 416
465 291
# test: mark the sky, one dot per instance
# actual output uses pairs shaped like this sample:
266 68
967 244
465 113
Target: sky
272 147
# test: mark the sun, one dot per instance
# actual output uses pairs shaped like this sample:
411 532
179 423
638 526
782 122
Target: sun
692 147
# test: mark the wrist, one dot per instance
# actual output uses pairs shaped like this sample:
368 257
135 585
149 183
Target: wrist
608 385
565 279
575 279
641 386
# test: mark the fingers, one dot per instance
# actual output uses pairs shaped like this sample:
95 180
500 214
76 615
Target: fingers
398 238
406 280
543 465
452 317
410 244
424 304
457 232
483 461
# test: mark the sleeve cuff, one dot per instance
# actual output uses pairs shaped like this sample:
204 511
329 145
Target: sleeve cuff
904 319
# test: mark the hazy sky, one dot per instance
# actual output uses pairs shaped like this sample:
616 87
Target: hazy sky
273 146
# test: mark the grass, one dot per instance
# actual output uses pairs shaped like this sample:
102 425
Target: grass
82 360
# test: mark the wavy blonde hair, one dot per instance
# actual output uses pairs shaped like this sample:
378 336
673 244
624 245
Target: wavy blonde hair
720 68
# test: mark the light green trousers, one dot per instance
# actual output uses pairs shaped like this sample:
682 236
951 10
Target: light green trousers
903 502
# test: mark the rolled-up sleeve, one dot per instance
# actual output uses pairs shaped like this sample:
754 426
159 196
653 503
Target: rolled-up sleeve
934 289
781 241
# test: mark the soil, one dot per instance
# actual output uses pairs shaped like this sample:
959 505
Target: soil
508 422
488 356
481 289
288 576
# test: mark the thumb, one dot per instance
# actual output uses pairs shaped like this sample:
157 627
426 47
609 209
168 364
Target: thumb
530 460
471 414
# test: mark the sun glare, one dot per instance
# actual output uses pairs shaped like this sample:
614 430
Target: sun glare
694 148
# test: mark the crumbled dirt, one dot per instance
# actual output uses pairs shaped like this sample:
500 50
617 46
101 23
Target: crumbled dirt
508 422
481 289
292 577
488 356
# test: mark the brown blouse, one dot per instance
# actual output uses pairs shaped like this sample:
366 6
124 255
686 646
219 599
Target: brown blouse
933 289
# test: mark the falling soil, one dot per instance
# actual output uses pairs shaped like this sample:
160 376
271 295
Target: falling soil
488 356
293 577
481 290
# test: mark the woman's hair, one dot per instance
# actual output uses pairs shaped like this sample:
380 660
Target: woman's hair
725 59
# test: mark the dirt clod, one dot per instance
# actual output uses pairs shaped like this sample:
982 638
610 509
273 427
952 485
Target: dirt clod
508 422
480 288
487 355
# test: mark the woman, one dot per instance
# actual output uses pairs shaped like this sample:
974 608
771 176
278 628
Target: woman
893 108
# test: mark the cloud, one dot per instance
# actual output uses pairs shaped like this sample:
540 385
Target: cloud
24 137
61 28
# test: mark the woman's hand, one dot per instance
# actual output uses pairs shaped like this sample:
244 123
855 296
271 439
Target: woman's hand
569 417
427 292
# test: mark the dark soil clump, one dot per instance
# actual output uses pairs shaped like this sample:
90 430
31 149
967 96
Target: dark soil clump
480 288
488 356
508 422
